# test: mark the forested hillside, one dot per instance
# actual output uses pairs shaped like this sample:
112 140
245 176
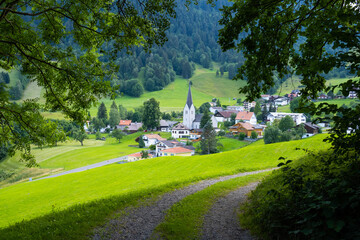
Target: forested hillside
192 39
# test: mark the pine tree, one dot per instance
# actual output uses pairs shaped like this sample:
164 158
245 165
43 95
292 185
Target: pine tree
141 142
114 116
102 112
208 142
205 119
122 112
218 103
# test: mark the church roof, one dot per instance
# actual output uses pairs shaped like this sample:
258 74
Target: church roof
189 101
198 117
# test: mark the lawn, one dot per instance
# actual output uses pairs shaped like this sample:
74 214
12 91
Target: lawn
34 199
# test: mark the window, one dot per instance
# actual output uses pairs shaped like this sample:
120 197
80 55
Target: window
186 112
172 154
165 154
192 112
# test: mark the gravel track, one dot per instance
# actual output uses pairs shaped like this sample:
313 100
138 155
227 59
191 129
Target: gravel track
222 221
140 222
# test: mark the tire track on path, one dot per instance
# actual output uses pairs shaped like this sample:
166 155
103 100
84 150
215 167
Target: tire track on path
140 222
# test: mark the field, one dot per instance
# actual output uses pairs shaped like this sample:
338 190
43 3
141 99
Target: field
69 155
34 199
294 83
338 102
172 98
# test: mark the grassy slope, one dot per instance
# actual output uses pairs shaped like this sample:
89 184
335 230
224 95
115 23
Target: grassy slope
34 199
172 98
69 155
184 220
294 83
338 102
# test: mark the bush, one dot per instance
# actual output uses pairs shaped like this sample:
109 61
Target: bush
315 198
254 135
242 136
98 135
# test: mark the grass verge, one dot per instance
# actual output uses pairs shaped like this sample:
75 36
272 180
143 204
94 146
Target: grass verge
185 219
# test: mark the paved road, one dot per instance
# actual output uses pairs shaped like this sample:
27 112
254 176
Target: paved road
100 164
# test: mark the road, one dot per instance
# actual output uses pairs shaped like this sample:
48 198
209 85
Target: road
95 165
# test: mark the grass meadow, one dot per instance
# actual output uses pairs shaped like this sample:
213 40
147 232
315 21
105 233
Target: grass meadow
89 197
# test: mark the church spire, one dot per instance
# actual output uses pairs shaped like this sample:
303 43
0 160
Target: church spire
189 101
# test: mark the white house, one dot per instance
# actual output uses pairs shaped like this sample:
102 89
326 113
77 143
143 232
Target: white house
282 101
224 115
152 139
215 109
235 108
180 131
249 105
248 117
297 117
162 145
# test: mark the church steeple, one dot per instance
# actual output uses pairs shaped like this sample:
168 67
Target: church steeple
189 101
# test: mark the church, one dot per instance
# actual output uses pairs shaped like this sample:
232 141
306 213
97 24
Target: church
191 120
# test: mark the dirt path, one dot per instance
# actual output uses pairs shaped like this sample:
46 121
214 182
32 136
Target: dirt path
139 223
222 220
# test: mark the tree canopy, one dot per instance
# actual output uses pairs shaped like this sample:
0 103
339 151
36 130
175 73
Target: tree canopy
152 114
306 38
60 44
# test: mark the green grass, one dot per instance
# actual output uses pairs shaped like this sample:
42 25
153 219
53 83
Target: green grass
294 83
185 219
228 143
69 155
86 156
34 199
172 98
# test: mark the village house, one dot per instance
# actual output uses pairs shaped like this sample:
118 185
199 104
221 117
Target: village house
166 144
180 131
165 125
248 117
249 105
133 127
235 108
215 109
224 115
195 134
178 151
136 156
152 139
282 101
123 124
266 97
247 128
297 117
311 128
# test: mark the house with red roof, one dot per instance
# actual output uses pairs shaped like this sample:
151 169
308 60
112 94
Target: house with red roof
248 117
152 139
123 124
247 128
178 151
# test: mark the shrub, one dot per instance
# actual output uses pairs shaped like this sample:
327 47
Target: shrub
242 136
254 135
315 198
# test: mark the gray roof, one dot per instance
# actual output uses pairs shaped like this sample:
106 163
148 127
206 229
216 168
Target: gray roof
189 147
135 126
163 123
180 126
171 143
198 117
189 101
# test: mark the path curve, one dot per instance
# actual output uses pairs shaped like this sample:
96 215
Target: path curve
222 221
139 223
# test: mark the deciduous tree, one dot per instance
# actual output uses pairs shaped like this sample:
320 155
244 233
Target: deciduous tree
152 114
73 75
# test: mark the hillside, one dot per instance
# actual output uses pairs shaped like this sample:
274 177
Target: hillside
34 199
